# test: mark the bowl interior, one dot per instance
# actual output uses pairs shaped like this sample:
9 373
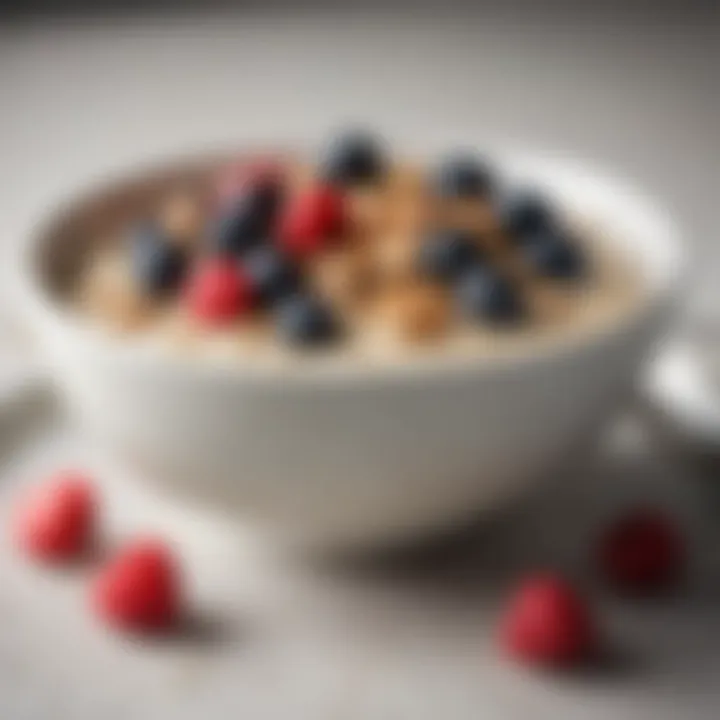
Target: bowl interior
628 220
95 218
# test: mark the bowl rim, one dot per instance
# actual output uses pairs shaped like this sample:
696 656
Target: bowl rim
658 296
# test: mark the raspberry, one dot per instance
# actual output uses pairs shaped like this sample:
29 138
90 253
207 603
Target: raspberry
309 220
140 589
218 292
56 521
642 553
547 623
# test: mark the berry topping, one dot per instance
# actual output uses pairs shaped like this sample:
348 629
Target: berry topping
444 255
354 245
249 219
642 553
548 623
56 521
273 276
352 158
304 320
525 212
218 292
463 175
310 219
482 294
237 176
157 263
554 257
139 590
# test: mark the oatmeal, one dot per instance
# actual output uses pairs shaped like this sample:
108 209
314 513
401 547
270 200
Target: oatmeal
354 253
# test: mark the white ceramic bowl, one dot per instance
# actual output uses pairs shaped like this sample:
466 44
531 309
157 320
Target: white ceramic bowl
360 455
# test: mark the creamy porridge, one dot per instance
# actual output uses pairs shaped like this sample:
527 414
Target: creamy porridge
353 253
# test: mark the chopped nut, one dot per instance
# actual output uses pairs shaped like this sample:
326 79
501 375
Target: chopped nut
183 218
110 293
394 257
405 183
415 312
472 215
366 211
409 217
345 276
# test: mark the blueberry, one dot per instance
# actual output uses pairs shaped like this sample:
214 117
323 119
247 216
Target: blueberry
463 175
249 220
482 294
526 212
273 275
158 265
446 253
554 256
353 157
304 320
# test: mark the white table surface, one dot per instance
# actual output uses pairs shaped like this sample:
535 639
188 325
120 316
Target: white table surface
80 98
404 637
